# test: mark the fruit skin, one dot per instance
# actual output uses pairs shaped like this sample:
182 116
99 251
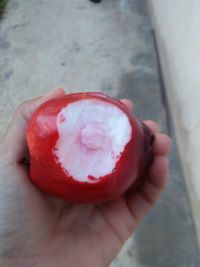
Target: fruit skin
47 174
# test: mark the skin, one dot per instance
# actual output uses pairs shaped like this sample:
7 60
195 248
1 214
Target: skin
38 230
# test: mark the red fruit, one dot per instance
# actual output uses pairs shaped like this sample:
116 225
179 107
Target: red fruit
87 148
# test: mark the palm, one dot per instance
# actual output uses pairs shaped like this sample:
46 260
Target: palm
55 233
57 228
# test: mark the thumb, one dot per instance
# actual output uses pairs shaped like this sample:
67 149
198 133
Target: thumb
13 145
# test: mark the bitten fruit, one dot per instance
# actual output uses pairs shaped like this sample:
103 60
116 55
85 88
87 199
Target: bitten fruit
87 148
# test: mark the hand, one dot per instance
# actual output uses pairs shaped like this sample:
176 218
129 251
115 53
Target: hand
38 230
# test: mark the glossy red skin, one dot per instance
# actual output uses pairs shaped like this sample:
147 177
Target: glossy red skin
47 174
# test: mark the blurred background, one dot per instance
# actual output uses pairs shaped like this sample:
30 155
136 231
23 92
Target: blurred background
147 51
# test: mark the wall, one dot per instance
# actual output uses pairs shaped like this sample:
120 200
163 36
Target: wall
177 27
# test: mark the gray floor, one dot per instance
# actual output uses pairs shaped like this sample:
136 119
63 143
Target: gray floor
45 44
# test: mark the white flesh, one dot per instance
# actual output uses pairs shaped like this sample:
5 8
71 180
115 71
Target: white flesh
92 136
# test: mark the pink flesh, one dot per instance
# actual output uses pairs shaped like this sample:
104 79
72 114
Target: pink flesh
93 137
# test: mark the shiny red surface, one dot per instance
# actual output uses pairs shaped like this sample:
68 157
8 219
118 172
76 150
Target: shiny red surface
47 174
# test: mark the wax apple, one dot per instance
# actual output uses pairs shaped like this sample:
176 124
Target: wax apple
87 148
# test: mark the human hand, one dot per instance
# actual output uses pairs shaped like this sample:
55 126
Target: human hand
38 230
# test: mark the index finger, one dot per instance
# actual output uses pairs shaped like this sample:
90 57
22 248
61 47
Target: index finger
128 103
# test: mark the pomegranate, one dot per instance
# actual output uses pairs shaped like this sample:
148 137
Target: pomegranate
87 148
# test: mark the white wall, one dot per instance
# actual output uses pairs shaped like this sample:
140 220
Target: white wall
177 26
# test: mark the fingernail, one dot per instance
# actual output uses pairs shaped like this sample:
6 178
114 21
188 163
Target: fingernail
127 103
54 92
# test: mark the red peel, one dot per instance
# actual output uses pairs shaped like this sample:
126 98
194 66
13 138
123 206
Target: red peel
65 141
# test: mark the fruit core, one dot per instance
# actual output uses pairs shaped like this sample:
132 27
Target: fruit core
92 134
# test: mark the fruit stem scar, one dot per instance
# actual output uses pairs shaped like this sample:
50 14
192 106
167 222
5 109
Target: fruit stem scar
93 137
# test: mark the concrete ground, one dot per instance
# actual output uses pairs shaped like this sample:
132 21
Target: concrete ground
45 44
